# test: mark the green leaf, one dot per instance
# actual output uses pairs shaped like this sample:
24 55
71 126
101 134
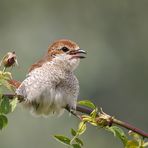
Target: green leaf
94 113
1 95
118 132
2 81
86 118
73 132
5 106
145 144
76 146
6 84
62 139
93 122
135 136
87 103
132 144
13 104
89 119
81 128
3 121
79 141
7 75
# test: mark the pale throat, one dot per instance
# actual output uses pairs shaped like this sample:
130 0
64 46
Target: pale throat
64 62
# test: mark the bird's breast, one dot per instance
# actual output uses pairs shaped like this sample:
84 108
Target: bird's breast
50 88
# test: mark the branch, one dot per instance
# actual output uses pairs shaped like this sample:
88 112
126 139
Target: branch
130 127
11 96
110 120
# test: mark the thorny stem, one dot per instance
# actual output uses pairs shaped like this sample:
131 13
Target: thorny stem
85 110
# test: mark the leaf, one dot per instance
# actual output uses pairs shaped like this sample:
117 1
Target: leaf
73 132
89 119
4 78
7 75
62 139
13 104
132 144
87 103
3 121
79 141
118 132
86 118
93 122
76 146
135 136
1 95
145 144
6 84
5 106
94 113
81 128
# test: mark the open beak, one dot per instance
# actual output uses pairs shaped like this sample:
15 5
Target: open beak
77 54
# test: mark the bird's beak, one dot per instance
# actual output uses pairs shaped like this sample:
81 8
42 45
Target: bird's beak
77 54
81 51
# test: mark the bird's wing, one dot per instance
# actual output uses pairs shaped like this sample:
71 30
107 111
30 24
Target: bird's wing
38 81
40 62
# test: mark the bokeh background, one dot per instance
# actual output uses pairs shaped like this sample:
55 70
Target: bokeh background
114 75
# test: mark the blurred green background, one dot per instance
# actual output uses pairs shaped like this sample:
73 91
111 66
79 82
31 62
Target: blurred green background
114 75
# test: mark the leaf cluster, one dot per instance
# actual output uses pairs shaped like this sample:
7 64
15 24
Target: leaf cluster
98 118
6 105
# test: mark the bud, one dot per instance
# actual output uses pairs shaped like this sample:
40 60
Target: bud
9 59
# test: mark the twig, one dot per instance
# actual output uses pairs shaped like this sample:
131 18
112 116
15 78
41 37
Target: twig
130 127
72 112
11 96
85 110
116 121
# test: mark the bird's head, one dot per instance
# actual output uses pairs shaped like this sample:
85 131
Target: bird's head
66 52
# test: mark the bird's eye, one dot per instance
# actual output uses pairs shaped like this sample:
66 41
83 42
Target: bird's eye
65 49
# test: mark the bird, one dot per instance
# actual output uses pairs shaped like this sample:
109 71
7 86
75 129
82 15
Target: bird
51 84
